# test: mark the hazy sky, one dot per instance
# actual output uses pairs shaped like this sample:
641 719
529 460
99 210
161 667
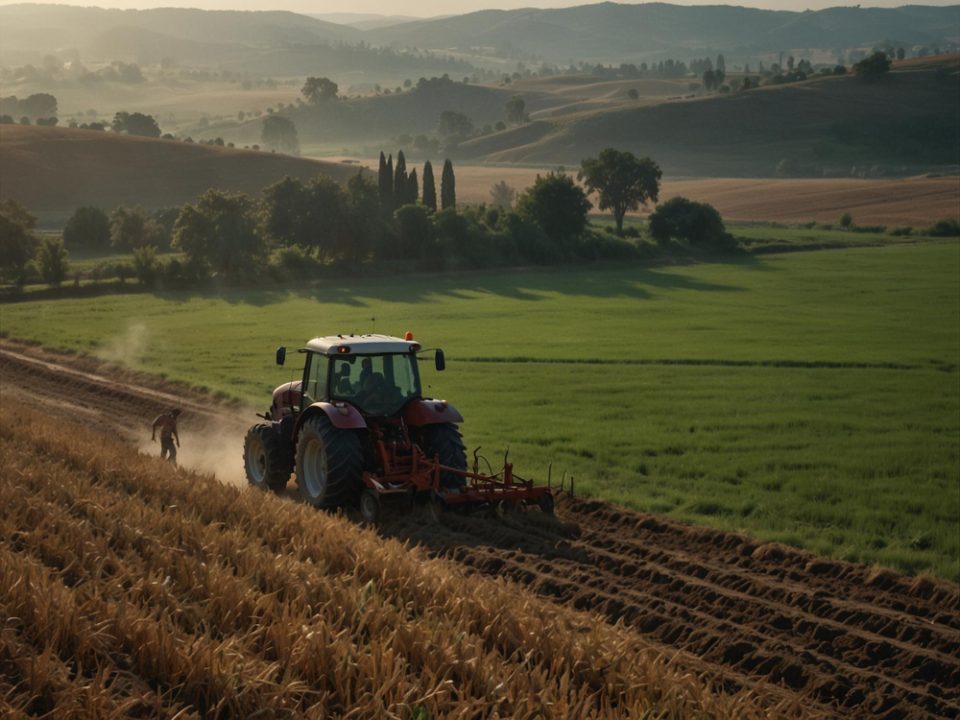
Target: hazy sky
454 7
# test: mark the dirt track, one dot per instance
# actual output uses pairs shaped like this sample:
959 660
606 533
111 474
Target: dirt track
848 640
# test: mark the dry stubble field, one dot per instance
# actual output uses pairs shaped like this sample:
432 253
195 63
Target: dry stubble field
135 588
915 201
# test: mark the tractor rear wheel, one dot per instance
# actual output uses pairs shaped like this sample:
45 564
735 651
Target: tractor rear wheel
446 442
267 458
329 464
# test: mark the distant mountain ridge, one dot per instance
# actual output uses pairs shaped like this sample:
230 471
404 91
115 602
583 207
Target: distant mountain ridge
609 31
604 32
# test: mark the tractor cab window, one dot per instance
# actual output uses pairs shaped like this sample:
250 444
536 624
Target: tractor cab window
377 384
316 380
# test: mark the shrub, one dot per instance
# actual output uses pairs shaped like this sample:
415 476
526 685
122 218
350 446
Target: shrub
146 266
846 220
698 224
945 228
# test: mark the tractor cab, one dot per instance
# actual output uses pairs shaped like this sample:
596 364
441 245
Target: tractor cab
378 375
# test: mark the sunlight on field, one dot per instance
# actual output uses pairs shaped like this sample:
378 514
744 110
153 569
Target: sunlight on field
794 396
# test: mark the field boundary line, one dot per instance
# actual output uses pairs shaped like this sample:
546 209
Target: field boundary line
801 364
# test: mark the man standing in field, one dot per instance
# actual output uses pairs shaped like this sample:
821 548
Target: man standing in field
167 424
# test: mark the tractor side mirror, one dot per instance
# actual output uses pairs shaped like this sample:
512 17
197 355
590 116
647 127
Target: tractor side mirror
281 355
439 360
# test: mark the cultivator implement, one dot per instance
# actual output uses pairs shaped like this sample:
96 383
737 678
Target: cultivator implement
408 474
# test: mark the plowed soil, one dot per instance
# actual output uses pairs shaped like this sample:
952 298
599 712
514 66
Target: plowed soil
848 640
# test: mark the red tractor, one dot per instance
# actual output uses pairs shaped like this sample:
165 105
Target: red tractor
357 430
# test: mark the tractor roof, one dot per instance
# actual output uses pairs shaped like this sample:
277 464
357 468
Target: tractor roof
361 345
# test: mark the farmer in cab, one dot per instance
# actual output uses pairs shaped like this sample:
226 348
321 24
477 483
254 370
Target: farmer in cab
167 424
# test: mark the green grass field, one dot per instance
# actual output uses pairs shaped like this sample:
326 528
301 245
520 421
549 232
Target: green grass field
811 398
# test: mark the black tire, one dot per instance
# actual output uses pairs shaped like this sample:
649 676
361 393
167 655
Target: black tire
267 458
446 442
329 464
369 507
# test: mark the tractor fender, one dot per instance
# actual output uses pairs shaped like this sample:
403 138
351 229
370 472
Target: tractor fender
285 398
341 415
431 412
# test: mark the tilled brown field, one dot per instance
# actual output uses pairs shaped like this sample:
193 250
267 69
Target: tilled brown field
847 640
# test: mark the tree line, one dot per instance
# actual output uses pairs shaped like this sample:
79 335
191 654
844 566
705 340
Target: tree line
296 229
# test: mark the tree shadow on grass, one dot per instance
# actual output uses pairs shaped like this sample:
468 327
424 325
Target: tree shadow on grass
637 282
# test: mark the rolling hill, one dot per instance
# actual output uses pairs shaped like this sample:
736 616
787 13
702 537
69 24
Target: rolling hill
612 32
822 126
53 171
281 43
273 43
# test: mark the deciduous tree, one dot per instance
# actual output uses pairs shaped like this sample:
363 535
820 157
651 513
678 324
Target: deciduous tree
279 133
17 241
872 68
220 231
557 204
621 181
133 227
135 124
87 228
319 89
516 109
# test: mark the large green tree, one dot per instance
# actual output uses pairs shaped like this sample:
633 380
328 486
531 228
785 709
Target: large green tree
87 228
17 241
558 205
516 109
134 227
454 124
414 229
319 89
220 231
279 133
135 124
621 181
310 216
872 68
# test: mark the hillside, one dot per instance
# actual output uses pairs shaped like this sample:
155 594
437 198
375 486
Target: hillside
825 125
611 32
276 43
279 42
52 171
416 111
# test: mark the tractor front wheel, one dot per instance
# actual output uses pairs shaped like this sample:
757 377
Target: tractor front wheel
329 464
267 458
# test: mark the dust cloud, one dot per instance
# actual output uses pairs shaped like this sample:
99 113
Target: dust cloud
128 347
214 448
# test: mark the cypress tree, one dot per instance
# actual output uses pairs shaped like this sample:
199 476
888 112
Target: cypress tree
448 186
388 201
400 181
429 187
384 181
413 188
